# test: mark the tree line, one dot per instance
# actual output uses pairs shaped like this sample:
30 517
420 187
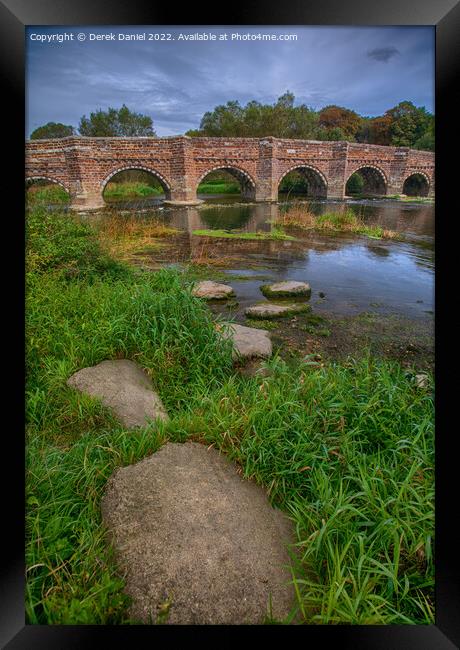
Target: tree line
403 125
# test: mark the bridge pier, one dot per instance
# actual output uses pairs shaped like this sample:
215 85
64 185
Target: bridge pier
87 201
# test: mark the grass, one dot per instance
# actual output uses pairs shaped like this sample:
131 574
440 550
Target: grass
345 449
299 216
130 190
121 235
218 187
275 234
52 194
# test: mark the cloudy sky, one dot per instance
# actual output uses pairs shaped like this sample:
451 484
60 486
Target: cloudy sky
367 69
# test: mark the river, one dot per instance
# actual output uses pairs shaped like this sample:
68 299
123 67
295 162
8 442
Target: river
348 273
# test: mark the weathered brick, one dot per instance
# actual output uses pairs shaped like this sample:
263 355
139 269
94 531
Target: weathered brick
84 165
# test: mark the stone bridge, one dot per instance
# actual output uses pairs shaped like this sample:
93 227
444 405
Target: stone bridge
84 165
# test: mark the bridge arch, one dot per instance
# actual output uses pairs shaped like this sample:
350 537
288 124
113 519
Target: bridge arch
374 179
46 190
247 183
416 183
30 179
316 180
153 172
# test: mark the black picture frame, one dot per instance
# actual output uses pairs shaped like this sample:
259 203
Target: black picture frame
14 16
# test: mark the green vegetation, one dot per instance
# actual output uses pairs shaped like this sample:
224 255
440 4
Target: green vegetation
261 323
130 190
301 217
346 450
46 194
218 187
274 234
403 125
52 130
114 122
349 222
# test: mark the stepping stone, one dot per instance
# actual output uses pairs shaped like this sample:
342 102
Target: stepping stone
197 543
286 289
212 290
269 310
249 341
124 387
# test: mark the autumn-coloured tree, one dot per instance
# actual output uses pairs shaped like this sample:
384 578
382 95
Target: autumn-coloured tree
331 117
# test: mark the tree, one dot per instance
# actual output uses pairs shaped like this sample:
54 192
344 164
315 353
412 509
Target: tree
281 119
338 117
52 130
116 123
335 133
408 124
379 130
425 142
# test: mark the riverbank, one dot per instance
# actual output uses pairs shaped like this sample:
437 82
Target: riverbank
345 448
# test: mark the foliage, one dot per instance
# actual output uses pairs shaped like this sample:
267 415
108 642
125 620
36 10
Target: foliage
300 216
294 182
355 184
338 117
347 450
122 191
52 130
409 124
46 194
116 123
282 120
57 242
403 125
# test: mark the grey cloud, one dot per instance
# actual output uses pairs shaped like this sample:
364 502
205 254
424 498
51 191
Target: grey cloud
383 53
175 83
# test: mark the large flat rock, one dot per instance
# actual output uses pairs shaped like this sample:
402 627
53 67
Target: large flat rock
196 540
269 310
210 290
249 342
286 289
124 387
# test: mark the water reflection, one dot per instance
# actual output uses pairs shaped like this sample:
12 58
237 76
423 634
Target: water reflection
356 273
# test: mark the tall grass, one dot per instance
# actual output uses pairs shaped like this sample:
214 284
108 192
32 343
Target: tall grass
120 235
300 216
39 194
346 450
130 190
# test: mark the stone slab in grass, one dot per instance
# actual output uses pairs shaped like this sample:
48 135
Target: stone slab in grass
123 386
248 342
210 290
286 289
197 543
269 310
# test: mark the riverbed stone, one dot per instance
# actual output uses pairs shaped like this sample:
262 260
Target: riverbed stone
248 342
123 386
197 543
212 290
286 289
270 310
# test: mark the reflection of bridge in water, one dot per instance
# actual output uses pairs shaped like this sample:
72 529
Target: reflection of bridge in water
83 166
